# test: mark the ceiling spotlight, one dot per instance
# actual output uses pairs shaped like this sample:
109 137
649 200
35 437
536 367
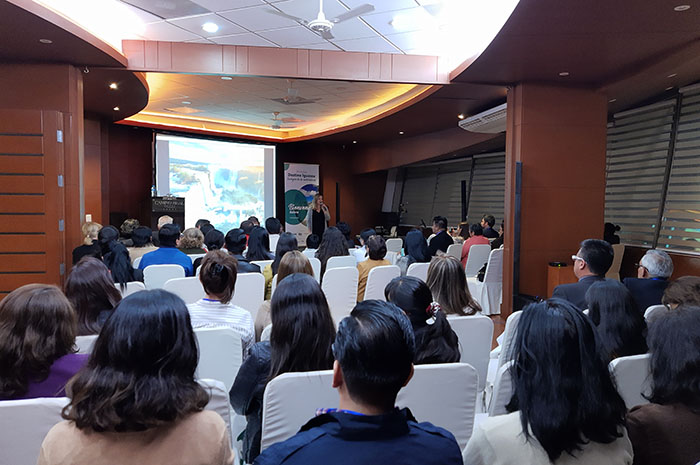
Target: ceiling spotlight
564 73
672 75
113 86
460 116
226 78
210 27
354 142
681 8
401 133
46 41
115 108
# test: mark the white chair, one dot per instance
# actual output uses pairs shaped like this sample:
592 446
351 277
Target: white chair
220 354
478 256
443 394
489 293
475 335
614 271
262 263
654 312
418 270
131 287
455 250
249 292
505 349
84 344
195 256
316 266
341 262
219 402
188 289
136 263
377 279
155 276
394 245
340 287
274 239
632 377
273 284
502 390
392 257
265 335
24 425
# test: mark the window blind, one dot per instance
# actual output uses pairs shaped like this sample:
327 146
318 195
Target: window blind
488 188
418 194
448 191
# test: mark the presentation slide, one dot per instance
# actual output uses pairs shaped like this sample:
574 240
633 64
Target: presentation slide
224 182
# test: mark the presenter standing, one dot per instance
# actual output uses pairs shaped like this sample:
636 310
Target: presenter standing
318 216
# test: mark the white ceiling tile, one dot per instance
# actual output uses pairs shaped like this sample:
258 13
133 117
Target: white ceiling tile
167 32
399 21
258 18
372 44
248 39
224 5
142 15
352 29
194 25
291 36
383 5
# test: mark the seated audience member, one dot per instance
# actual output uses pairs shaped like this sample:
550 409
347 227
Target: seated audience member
254 220
300 340
201 222
344 228
37 333
460 234
609 235
137 401
292 262
332 245
436 342
441 241
191 242
591 262
620 325
247 226
476 237
206 228
416 251
235 241
90 289
162 221
448 284
89 247
141 237
286 243
374 350
498 242
168 253
312 242
360 253
565 408
259 245
653 272
126 230
682 291
215 310
119 264
487 223
213 240
666 431
274 229
376 250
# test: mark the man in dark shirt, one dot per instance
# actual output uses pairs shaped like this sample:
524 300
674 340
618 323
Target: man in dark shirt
653 272
441 241
487 223
591 262
235 242
374 351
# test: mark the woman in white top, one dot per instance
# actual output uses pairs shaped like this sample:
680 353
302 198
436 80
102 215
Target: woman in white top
218 277
564 409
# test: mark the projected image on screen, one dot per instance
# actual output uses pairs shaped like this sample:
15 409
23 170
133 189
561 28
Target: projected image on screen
223 182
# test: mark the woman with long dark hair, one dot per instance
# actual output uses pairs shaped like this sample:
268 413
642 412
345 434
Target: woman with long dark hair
287 242
416 249
259 245
448 283
118 262
667 430
90 289
565 408
300 340
137 401
436 342
620 324
333 244
37 334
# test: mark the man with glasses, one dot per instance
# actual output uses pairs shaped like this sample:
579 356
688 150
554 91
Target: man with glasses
591 262
653 272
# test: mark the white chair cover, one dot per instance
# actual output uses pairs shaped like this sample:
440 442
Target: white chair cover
418 270
341 262
219 402
614 271
131 287
137 262
489 292
24 425
265 335
632 376
340 287
249 292
309 253
316 265
220 354
273 284
655 311
391 257
475 335
394 245
509 333
455 250
274 239
478 255
262 263
195 256
155 276
84 344
377 279
188 289
502 390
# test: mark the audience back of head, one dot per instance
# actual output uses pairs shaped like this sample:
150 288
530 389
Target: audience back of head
163 220
201 222
141 236
366 234
476 229
273 225
333 244
293 262
214 240
247 226
169 235
118 262
417 247
286 243
376 247
192 238
439 223
90 229
235 241
657 263
682 291
259 245
312 241
598 255
448 284
218 275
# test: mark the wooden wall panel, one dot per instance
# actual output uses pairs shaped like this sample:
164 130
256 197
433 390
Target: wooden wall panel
21 163
22 203
23 242
20 143
21 184
23 262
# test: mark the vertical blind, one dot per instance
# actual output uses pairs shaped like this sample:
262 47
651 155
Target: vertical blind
488 188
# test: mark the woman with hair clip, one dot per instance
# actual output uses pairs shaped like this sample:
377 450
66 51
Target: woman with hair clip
90 247
667 430
565 408
259 245
90 289
136 401
435 340
37 334
287 242
215 310
300 340
333 244
448 283
416 251
620 325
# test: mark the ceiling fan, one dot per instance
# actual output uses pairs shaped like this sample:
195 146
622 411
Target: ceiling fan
277 121
323 26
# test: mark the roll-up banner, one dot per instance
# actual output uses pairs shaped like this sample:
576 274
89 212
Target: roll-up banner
301 183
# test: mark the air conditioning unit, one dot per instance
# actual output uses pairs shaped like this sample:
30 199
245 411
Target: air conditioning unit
491 121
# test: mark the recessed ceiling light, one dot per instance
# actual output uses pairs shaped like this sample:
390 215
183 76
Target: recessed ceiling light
210 27
401 133
681 8
354 142
226 78
115 108
460 116
564 73
186 102
612 100
113 86
672 75
46 41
